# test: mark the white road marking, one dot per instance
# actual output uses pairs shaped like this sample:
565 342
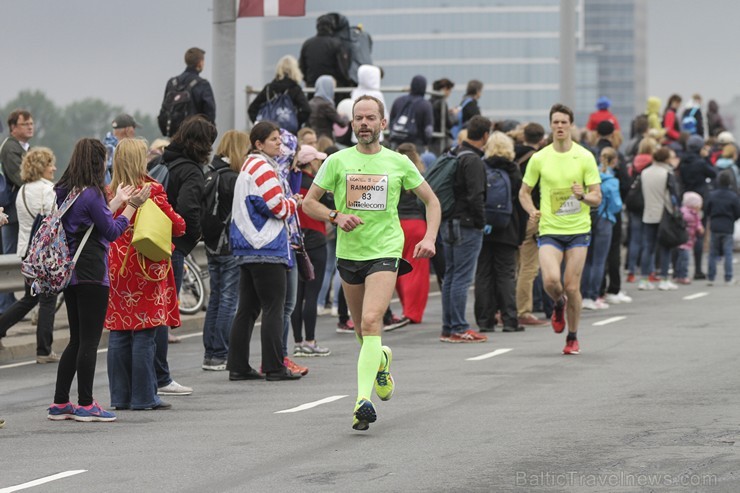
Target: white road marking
15 365
696 295
40 481
309 405
489 355
608 321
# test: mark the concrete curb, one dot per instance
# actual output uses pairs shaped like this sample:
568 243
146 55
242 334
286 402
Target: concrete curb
21 344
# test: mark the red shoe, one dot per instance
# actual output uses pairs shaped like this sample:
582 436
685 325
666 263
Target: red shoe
293 367
572 347
653 278
558 315
631 277
467 336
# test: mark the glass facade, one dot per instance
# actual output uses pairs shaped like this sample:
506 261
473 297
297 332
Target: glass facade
512 46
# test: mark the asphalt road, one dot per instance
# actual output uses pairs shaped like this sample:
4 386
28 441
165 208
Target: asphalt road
651 404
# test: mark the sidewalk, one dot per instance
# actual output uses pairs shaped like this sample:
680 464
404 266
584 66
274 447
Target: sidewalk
20 343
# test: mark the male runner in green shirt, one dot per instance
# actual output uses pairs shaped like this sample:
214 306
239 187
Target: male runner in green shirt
367 181
563 169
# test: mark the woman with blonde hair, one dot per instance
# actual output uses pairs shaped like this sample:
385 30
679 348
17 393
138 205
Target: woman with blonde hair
142 296
222 267
287 79
35 198
495 285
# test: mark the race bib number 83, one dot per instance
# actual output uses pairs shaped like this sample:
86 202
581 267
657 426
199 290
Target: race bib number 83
367 192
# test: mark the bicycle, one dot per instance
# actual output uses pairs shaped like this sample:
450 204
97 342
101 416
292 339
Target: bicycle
194 289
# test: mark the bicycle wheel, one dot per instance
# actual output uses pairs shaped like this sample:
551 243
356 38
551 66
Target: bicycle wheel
192 292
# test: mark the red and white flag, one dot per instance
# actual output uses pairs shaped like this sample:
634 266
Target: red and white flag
272 8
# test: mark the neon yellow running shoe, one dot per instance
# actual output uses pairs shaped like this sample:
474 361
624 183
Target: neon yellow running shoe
364 415
383 380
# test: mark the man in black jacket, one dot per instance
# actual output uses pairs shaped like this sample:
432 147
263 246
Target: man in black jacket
412 115
201 93
462 233
324 54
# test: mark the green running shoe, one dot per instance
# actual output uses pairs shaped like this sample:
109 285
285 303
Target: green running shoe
364 415
384 380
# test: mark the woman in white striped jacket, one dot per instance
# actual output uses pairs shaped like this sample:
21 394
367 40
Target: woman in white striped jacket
260 242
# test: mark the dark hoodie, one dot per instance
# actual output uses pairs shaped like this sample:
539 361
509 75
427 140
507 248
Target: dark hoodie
723 209
714 119
695 169
421 109
324 54
277 87
185 190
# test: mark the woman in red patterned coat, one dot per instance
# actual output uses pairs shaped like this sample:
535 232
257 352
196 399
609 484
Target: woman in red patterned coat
140 301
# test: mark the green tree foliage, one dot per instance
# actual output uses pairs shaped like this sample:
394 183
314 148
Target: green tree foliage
60 127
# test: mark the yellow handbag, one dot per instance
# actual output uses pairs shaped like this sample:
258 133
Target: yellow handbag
152 232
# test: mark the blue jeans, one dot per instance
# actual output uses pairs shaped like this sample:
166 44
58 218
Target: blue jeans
10 244
682 264
291 293
131 377
462 246
329 271
224 278
593 269
161 367
650 246
720 244
635 246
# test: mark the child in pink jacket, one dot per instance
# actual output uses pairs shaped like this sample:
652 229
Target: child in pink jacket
691 209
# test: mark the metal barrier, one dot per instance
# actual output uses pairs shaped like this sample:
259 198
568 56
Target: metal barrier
11 279
251 91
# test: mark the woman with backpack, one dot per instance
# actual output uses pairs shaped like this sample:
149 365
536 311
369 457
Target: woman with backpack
35 200
142 293
89 225
222 267
288 78
495 275
323 111
259 239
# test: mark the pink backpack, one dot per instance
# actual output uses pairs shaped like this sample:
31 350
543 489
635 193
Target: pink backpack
48 266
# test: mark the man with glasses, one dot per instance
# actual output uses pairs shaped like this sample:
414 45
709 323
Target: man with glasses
12 150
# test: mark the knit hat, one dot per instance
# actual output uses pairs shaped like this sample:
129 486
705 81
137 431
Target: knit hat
695 143
692 199
725 138
603 103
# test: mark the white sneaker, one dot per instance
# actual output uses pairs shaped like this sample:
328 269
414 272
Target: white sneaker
612 299
667 286
600 304
616 299
645 285
588 304
334 311
624 298
174 388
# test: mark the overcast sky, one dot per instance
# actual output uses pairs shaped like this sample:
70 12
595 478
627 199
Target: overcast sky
124 51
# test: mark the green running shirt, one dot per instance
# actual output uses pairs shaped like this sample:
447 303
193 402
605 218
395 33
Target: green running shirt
561 212
369 186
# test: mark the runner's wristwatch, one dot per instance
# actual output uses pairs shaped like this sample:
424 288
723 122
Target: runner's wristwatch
333 216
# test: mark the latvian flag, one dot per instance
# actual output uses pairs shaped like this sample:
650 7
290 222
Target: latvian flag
272 8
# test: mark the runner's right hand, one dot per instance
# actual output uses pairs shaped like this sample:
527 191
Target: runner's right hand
534 216
347 222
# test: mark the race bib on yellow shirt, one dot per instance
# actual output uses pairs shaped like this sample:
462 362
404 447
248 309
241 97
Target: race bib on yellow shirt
367 192
563 202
